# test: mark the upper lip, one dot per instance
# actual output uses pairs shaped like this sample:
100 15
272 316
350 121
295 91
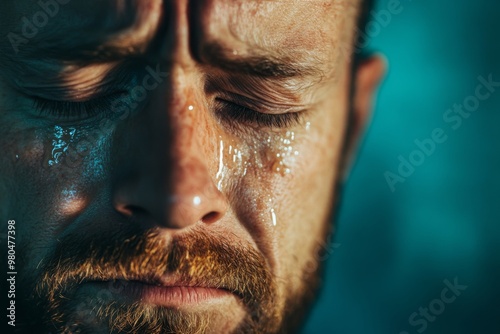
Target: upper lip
172 280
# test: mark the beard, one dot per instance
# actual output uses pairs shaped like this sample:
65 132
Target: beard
60 304
59 301
115 262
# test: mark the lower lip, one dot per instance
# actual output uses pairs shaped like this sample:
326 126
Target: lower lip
171 295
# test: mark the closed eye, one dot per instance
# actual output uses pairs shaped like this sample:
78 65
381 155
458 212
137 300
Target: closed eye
230 112
78 110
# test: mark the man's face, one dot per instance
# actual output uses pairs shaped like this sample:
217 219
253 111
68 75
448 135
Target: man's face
170 165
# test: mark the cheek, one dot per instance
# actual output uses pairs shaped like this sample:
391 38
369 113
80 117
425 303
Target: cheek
281 184
46 176
307 197
250 172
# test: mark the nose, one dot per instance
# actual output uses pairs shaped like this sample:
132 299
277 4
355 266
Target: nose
195 196
168 183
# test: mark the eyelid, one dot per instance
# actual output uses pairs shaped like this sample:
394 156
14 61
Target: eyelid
122 77
270 93
62 94
261 106
234 116
76 110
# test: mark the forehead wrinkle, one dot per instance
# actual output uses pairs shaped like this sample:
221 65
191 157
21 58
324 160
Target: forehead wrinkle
44 56
125 24
147 19
305 33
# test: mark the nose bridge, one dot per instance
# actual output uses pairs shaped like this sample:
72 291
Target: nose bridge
194 196
191 132
188 120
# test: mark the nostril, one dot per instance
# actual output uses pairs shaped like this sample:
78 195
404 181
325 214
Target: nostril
132 210
211 217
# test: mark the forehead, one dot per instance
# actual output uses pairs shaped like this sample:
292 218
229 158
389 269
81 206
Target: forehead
286 25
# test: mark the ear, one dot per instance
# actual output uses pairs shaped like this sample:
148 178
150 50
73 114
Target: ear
367 78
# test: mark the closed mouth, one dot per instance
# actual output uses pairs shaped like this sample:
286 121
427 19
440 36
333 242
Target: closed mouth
166 291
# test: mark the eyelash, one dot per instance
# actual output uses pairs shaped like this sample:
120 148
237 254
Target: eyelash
75 110
226 110
229 112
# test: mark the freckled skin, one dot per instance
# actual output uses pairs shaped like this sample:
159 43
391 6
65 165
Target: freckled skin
160 167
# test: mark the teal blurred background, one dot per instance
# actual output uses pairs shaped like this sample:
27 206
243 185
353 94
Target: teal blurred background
394 249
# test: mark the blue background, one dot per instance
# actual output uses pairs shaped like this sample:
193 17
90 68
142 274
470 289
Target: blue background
393 250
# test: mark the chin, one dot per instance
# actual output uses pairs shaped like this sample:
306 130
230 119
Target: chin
95 308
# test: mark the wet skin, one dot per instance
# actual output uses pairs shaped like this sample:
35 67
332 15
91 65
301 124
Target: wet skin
220 118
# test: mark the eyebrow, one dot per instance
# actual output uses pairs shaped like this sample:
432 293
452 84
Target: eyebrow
265 65
268 65
91 52
261 63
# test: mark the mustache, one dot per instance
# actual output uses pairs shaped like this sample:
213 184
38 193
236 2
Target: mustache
195 259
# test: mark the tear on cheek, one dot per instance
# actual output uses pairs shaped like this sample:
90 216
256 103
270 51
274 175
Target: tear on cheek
62 138
276 154
282 154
